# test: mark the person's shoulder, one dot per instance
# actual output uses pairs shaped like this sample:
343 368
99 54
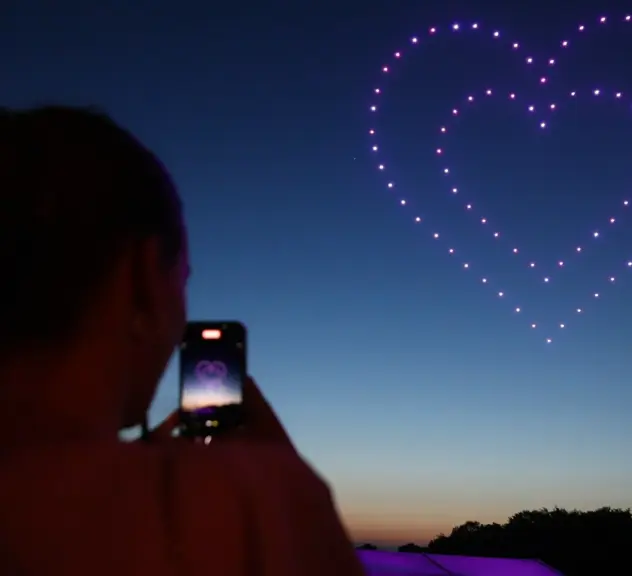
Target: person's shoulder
256 465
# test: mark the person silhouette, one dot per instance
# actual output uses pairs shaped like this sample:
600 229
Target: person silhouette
95 265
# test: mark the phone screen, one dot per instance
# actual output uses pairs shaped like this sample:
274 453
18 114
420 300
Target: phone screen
212 372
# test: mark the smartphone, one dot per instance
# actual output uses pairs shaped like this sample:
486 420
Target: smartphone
212 374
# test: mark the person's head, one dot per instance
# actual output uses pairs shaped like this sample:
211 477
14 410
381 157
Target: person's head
92 248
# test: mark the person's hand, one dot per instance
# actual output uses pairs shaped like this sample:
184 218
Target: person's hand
260 422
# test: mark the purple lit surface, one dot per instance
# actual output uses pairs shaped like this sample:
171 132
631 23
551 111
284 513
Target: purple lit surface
382 563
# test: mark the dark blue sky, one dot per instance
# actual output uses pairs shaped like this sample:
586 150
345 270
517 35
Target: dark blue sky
423 397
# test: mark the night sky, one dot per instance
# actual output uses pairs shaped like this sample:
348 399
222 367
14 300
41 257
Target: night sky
423 396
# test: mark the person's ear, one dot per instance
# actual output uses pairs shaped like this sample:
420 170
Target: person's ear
147 288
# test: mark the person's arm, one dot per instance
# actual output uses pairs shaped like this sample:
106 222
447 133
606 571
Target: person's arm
298 529
243 509
327 538
255 507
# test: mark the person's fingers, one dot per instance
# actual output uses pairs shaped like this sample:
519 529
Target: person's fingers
260 421
165 429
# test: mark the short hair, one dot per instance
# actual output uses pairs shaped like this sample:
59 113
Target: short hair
77 190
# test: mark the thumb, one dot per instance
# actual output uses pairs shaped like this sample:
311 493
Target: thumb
164 431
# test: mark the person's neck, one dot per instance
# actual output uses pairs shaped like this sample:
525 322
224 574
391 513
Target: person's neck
66 396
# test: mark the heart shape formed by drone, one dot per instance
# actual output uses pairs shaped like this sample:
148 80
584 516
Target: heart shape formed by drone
207 371
469 205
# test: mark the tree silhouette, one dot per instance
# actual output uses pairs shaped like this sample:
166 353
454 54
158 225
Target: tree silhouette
366 547
576 543
412 548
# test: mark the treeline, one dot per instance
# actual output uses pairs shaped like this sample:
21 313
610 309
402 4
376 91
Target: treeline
577 543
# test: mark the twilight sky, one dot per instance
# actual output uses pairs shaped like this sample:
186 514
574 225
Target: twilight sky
422 395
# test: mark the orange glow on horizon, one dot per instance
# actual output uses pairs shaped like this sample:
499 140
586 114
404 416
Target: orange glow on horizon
394 531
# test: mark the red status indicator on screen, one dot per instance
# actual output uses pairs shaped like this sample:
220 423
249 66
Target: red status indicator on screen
209 334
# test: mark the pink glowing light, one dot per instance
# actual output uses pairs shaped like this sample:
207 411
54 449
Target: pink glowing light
444 150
